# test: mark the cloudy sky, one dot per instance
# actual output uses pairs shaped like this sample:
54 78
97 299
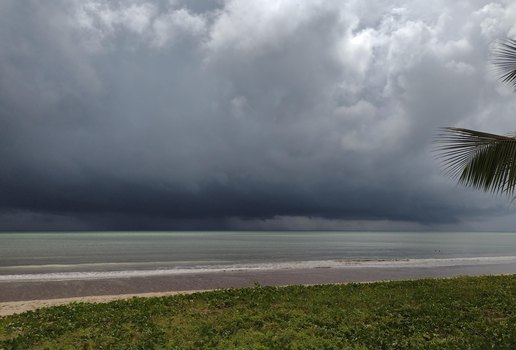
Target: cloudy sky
237 114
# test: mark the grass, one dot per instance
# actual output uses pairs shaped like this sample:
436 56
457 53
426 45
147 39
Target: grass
459 313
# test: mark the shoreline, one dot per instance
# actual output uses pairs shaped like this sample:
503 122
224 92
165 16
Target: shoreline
31 273
20 296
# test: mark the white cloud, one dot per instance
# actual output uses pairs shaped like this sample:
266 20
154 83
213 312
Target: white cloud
100 20
170 27
239 106
355 50
460 67
251 26
103 22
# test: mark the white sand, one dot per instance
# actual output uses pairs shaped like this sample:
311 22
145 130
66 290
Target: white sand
16 307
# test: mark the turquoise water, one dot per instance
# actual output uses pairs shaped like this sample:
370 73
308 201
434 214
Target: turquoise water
118 251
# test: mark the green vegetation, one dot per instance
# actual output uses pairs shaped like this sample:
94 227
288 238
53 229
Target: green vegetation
459 313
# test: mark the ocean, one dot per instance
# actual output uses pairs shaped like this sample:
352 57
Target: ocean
70 255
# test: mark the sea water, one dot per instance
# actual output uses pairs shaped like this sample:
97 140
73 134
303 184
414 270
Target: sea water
68 255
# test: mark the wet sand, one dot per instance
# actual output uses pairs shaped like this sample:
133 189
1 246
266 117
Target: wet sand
19 296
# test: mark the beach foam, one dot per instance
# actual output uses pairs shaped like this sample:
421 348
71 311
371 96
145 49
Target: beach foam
199 269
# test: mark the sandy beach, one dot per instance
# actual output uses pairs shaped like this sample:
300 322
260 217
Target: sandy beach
20 296
15 307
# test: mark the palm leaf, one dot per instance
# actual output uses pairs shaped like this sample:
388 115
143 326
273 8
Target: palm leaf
478 159
504 60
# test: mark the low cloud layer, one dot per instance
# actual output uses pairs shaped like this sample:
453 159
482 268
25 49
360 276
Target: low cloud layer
246 115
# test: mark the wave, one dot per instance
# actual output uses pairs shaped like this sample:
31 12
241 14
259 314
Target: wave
340 263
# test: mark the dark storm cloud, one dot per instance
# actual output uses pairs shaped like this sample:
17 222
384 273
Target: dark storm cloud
180 114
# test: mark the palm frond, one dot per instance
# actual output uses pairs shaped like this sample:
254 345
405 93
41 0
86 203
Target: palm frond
478 159
504 60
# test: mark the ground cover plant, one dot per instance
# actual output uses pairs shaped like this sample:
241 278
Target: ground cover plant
459 313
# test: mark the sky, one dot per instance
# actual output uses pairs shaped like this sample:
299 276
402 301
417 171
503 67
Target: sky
246 115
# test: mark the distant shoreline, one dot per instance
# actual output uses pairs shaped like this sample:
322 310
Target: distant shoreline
19 296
